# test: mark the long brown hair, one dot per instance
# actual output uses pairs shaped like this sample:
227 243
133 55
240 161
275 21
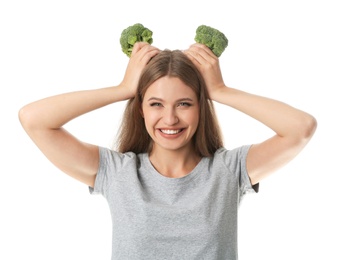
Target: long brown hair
133 136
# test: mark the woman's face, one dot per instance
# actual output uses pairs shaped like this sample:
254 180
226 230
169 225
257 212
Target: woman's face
171 113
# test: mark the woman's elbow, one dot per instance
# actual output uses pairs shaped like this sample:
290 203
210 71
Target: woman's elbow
22 115
306 128
310 126
26 118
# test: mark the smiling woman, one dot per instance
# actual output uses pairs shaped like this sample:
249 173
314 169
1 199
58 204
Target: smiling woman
172 123
170 77
172 188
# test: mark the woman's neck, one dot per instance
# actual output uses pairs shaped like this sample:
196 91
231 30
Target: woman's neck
174 164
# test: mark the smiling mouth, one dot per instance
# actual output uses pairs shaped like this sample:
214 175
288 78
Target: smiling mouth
170 131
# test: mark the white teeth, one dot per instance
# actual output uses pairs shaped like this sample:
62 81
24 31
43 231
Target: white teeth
170 132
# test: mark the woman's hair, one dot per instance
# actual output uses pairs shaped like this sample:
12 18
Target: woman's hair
133 136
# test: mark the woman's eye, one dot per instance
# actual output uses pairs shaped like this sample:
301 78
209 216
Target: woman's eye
184 104
155 104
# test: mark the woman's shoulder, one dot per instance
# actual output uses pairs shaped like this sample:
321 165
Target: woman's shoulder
110 156
226 152
230 158
111 152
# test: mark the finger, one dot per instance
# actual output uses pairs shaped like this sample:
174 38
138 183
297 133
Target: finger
138 46
204 51
203 47
195 55
147 53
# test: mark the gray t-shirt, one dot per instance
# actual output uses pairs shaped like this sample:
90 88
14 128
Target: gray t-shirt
156 217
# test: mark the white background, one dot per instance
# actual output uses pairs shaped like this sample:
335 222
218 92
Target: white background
287 50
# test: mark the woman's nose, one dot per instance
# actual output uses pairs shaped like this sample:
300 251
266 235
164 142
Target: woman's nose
170 117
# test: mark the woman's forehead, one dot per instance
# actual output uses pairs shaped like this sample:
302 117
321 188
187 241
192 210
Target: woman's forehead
169 87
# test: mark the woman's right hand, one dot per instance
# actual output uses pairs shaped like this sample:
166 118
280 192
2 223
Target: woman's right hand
142 53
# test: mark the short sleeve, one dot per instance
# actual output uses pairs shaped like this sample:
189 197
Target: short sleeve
111 164
245 179
103 178
236 162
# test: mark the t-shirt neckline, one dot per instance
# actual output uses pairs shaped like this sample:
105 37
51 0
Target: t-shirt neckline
154 174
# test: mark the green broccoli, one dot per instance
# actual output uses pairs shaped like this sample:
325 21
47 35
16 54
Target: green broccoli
212 38
132 34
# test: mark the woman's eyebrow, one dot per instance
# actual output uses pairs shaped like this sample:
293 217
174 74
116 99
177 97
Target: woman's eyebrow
154 98
185 99
160 99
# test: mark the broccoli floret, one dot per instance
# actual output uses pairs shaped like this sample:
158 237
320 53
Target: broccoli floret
132 34
212 38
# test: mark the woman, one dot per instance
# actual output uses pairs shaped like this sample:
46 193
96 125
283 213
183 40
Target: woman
172 188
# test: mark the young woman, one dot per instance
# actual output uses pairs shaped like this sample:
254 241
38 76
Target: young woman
172 188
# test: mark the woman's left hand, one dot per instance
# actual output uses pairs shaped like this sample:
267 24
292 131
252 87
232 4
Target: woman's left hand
208 65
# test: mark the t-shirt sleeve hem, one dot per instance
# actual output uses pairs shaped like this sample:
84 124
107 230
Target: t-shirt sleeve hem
99 175
245 177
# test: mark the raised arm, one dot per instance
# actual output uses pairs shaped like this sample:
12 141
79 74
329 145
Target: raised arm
293 127
43 120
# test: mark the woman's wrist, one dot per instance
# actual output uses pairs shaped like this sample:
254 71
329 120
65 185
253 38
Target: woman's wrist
218 93
123 92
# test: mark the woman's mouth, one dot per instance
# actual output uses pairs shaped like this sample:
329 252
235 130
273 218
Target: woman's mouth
170 131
